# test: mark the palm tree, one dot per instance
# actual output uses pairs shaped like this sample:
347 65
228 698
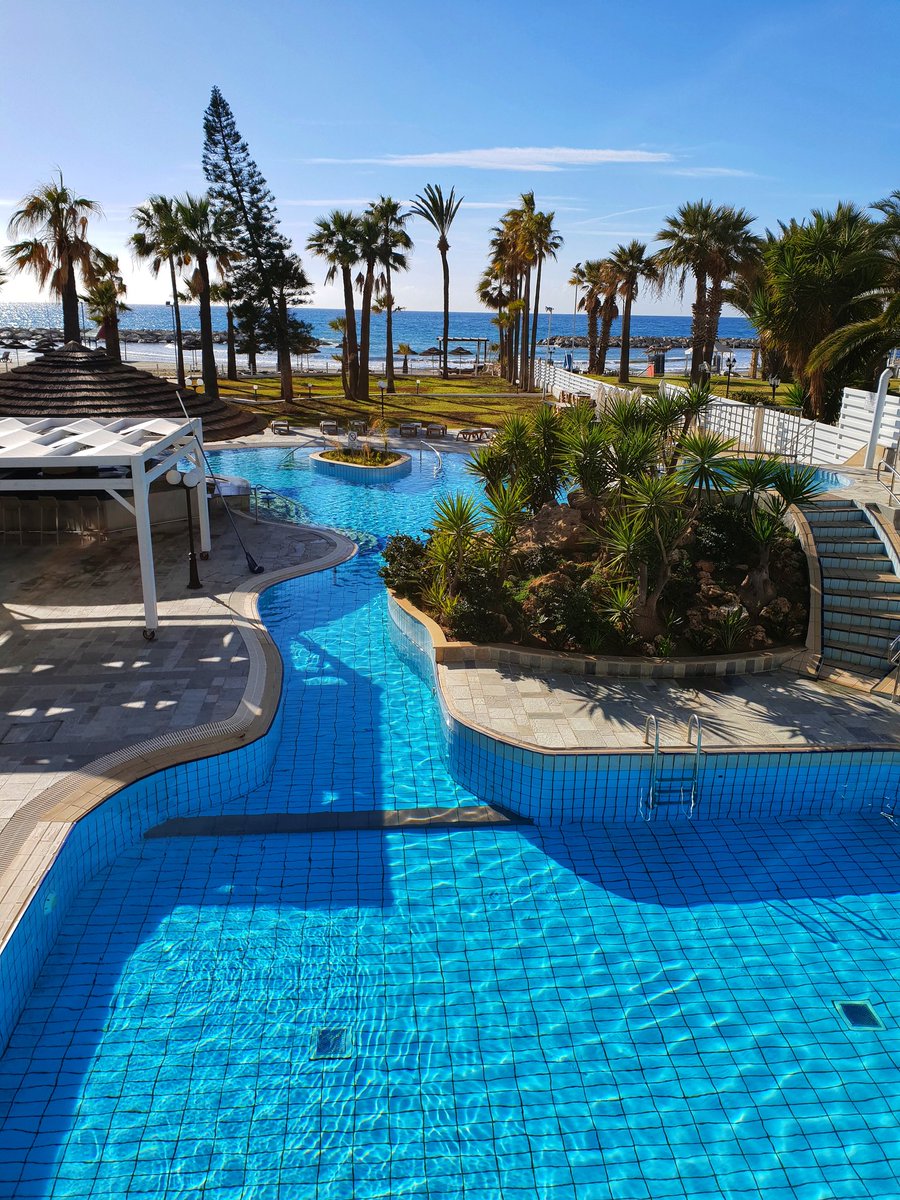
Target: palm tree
104 300
392 256
158 240
339 325
687 239
735 252
57 219
546 242
630 266
368 243
336 239
405 350
205 240
223 293
820 275
440 212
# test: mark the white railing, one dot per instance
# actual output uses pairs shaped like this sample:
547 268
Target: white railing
758 428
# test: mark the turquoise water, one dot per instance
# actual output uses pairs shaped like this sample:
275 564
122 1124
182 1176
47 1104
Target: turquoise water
630 1012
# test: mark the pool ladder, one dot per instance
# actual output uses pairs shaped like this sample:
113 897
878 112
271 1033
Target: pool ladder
670 782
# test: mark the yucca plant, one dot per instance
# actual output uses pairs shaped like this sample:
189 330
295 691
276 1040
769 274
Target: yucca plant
704 466
753 476
456 525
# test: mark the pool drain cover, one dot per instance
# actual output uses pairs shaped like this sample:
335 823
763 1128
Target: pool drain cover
331 1042
859 1014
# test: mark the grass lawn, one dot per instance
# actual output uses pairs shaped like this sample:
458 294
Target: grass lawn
461 401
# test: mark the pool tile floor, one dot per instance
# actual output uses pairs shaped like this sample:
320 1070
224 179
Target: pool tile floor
631 1012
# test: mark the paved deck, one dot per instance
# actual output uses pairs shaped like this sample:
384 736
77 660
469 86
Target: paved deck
78 681
572 712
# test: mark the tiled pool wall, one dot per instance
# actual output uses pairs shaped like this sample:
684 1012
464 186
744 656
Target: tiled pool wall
560 788
354 474
97 839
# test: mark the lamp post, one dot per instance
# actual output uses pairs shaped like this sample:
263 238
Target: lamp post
381 386
729 367
83 325
188 480
773 383
417 387
575 309
549 326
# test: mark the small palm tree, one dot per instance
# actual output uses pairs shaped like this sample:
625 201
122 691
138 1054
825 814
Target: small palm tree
631 266
657 503
57 219
158 240
405 350
336 239
440 212
456 525
104 300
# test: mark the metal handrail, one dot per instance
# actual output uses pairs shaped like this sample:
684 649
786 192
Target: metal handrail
652 722
255 489
894 660
316 440
696 723
894 480
434 450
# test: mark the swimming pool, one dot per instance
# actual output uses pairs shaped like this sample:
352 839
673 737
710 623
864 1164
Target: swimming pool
634 1011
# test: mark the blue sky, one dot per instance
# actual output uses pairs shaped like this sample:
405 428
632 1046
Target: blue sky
613 113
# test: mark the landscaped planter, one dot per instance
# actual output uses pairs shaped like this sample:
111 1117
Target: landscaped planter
357 472
748 662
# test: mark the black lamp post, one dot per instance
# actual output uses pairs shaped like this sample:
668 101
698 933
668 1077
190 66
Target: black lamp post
729 365
381 386
774 382
188 480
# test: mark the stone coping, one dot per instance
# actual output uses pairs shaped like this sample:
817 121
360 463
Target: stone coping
571 662
640 750
56 809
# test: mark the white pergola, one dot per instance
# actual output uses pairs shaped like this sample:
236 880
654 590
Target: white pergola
133 452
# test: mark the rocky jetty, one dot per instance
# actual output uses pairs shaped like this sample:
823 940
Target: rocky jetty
564 341
44 337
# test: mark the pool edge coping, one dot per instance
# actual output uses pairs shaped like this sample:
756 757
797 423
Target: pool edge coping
69 799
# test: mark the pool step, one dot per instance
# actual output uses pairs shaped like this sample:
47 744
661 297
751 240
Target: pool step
256 824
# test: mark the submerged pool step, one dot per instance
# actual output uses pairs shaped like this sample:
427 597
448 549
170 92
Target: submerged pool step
254 824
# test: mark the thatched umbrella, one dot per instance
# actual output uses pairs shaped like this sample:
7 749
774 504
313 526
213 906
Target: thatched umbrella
75 382
14 344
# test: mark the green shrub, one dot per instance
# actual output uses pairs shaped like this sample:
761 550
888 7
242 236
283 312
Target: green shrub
472 623
562 614
406 569
723 534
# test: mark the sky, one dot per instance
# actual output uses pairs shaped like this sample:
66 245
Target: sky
614 114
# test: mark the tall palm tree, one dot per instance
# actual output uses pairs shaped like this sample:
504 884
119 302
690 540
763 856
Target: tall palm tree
440 212
158 240
687 239
631 266
546 243
336 239
735 251
598 302
395 243
206 241
609 310
104 299
57 219
368 242
820 275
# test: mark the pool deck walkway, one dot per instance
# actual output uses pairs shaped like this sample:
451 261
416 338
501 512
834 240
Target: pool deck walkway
77 679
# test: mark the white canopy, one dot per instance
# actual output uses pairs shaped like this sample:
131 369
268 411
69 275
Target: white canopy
138 450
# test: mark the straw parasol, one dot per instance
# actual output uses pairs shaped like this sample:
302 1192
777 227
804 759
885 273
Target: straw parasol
459 351
75 382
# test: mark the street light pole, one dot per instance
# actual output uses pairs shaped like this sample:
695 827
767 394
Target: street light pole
381 386
549 325
188 480
774 382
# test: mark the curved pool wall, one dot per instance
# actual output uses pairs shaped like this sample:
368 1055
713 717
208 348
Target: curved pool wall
355 474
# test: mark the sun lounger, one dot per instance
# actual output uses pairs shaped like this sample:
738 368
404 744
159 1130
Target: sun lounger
329 427
359 427
475 435
280 427
435 429
409 428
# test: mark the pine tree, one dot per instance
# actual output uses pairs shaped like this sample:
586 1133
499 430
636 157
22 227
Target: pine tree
238 188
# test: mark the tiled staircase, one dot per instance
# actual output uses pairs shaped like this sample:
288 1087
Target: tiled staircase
860 591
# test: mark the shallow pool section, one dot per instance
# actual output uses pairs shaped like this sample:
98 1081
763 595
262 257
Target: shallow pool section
635 1013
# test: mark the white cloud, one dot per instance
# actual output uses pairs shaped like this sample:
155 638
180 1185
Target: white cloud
325 204
510 158
713 173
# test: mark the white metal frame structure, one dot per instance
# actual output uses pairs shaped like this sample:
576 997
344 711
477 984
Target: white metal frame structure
141 450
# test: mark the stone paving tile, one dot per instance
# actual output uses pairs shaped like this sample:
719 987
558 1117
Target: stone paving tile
78 681
571 711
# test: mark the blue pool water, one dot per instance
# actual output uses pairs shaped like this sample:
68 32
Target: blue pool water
630 1012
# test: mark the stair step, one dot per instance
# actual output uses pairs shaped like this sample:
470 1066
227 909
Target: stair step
838 580
850 529
836 651
855 562
869 641
862 601
857 546
860 619
839 512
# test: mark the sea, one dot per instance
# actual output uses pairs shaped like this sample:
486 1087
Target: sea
418 329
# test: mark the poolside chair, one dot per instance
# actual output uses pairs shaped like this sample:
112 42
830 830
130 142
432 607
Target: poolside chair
280 427
435 429
409 428
329 426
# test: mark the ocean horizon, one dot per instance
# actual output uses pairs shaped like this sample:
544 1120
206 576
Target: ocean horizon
417 328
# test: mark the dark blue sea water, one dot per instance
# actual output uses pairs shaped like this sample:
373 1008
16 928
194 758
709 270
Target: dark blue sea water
419 329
